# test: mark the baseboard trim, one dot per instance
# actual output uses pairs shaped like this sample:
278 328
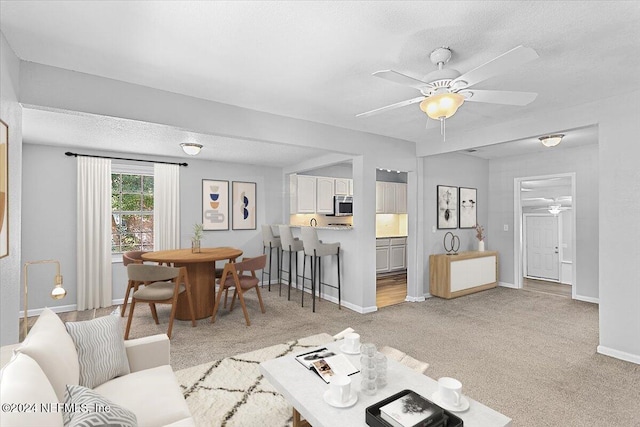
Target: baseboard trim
507 285
56 309
622 355
415 299
588 299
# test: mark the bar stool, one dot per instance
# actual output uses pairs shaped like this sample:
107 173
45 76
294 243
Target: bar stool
315 250
291 245
271 241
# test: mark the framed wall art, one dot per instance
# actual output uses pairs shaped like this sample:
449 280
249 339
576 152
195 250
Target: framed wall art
447 207
243 196
4 189
467 209
215 205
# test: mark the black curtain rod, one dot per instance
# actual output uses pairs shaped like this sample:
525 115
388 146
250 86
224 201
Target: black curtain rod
69 153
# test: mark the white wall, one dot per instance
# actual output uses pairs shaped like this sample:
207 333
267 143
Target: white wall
49 215
619 243
10 266
583 161
456 170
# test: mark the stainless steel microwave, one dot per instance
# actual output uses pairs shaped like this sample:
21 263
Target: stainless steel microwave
342 205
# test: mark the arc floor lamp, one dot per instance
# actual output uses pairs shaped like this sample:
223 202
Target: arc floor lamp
58 292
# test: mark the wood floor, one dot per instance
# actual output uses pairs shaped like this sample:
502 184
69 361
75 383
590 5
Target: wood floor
546 287
391 289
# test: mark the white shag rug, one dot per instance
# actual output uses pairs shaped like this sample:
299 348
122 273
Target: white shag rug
231 392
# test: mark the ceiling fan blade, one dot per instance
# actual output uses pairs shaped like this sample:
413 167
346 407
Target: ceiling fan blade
391 107
400 78
499 65
499 96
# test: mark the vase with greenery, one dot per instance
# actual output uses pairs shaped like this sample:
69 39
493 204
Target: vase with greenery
480 236
197 237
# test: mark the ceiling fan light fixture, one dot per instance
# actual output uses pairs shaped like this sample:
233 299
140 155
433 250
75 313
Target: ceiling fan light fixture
442 106
191 148
554 209
551 140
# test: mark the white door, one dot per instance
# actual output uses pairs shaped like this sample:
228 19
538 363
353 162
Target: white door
543 259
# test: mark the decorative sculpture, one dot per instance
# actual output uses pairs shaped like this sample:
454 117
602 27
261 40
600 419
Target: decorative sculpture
452 245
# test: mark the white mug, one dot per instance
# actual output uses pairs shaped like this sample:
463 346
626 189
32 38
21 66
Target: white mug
352 342
340 388
450 390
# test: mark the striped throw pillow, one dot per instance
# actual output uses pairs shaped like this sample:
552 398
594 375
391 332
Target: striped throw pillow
101 352
85 408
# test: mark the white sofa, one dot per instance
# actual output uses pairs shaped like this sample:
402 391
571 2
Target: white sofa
41 368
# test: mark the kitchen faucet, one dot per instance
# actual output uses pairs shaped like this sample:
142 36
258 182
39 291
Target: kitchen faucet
313 222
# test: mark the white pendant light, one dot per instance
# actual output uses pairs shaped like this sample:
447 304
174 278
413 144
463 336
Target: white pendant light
191 148
551 140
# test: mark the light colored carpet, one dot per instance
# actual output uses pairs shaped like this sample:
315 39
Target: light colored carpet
531 356
231 392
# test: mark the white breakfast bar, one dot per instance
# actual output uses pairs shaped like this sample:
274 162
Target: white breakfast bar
304 390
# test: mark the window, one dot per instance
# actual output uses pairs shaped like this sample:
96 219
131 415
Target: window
132 210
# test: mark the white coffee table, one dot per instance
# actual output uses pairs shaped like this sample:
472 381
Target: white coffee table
303 389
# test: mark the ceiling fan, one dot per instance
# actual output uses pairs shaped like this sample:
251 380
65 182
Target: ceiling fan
444 90
554 209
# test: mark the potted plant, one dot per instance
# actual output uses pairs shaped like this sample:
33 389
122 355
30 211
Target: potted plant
197 236
480 236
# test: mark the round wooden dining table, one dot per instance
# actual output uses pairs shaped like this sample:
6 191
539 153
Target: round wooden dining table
201 270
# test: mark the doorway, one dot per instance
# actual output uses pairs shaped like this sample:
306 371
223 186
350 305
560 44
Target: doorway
391 237
545 233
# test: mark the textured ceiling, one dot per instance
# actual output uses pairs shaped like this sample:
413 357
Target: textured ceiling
80 130
313 60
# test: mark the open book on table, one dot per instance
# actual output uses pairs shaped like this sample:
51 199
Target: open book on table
326 363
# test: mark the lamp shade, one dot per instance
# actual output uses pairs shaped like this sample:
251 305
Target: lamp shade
551 140
191 148
442 106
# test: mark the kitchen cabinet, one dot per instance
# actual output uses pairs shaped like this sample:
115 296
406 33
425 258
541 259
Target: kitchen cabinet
343 186
398 254
401 198
314 194
304 194
391 197
391 254
451 276
324 195
379 197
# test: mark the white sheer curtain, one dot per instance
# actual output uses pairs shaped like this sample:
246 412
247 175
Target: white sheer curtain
166 206
94 233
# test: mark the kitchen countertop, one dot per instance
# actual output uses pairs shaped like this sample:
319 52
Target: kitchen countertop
334 227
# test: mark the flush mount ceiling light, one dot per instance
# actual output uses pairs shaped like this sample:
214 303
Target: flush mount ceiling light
191 148
551 140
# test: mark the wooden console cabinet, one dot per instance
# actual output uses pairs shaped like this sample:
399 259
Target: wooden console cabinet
452 276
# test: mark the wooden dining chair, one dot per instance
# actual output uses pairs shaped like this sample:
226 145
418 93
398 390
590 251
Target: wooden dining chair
130 257
241 276
162 286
